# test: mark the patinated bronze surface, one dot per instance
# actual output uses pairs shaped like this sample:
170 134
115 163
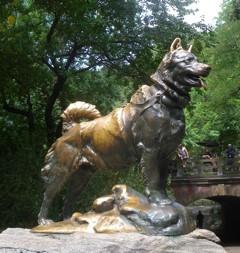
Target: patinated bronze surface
126 211
147 130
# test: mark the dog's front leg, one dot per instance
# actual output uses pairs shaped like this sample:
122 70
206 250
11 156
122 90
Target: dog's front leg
155 169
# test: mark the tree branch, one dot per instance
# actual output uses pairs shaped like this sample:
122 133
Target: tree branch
72 55
11 108
30 113
26 113
57 88
52 28
15 110
52 68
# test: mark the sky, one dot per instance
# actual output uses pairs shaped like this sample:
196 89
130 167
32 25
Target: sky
208 11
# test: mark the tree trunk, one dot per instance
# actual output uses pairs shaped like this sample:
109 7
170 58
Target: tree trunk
49 119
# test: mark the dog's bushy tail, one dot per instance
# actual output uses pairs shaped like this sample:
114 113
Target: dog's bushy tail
76 111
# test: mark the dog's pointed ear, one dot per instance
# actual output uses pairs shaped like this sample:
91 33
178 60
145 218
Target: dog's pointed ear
176 44
190 49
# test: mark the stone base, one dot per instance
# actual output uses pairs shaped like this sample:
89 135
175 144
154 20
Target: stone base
16 240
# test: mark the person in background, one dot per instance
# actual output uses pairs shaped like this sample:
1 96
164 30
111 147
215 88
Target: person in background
209 157
199 219
183 155
230 153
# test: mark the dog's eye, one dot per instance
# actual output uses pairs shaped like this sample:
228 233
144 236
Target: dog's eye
189 59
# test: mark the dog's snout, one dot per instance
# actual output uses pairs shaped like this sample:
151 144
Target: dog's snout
206 69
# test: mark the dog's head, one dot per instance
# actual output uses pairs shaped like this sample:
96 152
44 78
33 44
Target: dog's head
180 69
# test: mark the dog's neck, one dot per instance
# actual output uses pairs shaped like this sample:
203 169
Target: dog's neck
172 94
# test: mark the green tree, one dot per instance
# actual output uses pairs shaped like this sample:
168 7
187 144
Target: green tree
49 41
215 114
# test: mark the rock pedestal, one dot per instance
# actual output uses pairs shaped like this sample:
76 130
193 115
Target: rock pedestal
16 240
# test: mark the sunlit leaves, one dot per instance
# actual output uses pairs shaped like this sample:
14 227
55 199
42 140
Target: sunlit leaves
11 20
216 116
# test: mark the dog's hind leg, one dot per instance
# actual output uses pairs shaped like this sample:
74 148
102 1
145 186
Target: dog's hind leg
76 183
60 162
52 188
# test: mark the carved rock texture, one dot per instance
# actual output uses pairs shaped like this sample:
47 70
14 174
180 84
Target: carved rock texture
16 240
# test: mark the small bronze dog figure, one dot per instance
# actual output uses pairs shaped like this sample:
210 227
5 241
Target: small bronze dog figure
147 130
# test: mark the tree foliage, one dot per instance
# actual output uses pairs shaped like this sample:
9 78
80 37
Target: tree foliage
215 113
50 41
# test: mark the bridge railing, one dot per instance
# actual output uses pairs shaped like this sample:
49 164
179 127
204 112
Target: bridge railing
205 167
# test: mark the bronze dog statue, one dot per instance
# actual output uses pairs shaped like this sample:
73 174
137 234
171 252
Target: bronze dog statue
148 129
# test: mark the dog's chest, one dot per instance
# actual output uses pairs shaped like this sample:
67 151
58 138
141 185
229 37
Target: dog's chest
168 123
160 126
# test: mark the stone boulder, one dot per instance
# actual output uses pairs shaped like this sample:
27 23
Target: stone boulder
19 240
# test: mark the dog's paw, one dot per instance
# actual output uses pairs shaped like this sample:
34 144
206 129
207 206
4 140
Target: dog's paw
43 221
159 198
